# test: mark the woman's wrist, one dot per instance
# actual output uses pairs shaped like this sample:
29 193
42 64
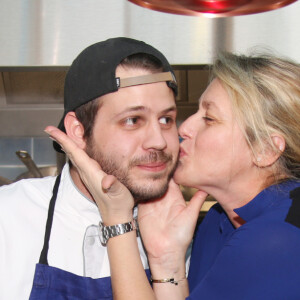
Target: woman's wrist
171 280
171 266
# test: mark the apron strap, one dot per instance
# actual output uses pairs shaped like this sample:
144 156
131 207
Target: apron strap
44 254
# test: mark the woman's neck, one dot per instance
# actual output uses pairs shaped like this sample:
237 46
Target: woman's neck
236 196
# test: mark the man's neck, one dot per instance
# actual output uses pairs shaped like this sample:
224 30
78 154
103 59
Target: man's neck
79 183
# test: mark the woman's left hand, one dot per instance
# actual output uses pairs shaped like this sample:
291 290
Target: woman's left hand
113 199
167 227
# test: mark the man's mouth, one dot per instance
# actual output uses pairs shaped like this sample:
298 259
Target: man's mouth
153 167
155 162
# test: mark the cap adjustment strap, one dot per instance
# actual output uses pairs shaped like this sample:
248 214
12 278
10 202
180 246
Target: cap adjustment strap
144 79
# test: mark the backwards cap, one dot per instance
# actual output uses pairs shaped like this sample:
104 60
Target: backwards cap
93 73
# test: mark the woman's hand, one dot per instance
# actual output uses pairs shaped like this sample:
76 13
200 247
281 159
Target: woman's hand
113 199
167 227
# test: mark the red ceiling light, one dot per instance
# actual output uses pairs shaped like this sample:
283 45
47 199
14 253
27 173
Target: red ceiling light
215 8
212 6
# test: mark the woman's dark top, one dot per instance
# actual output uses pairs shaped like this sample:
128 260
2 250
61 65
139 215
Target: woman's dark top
260 259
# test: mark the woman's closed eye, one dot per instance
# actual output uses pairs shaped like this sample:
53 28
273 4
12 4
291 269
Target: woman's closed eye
208 119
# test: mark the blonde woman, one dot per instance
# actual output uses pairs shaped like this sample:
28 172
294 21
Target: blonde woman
243 148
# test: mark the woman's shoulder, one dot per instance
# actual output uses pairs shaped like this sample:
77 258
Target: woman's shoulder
269 238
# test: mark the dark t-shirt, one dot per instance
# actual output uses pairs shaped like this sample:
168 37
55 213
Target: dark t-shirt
260 259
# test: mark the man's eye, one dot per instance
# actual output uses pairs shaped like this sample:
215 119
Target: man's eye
165 120
131 121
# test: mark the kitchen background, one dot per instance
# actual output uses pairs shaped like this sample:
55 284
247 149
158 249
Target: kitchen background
39 40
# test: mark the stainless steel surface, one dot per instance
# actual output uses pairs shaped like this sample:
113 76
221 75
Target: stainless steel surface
39 172
45 171
27 121
26 159
51 33
4 181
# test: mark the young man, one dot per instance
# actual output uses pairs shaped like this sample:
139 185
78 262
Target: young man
120 108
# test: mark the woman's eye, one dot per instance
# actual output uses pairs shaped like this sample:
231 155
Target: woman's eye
208 119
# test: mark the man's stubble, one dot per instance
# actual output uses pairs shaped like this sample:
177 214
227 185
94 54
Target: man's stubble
140 192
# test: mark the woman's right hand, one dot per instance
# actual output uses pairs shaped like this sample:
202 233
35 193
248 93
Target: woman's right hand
167 226
113 199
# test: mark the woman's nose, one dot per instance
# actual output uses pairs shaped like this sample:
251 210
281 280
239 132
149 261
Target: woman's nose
186 128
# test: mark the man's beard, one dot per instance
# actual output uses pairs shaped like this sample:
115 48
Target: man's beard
140 192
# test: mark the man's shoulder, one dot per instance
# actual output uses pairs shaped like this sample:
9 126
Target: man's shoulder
26 192
41 184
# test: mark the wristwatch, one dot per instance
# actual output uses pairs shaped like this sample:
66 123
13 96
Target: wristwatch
107 232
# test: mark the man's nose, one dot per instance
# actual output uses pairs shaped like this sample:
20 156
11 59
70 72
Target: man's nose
154 138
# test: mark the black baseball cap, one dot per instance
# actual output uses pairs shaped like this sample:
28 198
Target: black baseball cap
93 73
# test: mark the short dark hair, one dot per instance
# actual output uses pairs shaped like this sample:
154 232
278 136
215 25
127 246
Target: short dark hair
86 113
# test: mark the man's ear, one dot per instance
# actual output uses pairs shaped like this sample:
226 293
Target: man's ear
74 129
269 155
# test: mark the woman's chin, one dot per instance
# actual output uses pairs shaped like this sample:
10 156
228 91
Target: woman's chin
179 177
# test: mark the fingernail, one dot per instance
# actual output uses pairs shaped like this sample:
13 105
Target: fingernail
48 132
105 190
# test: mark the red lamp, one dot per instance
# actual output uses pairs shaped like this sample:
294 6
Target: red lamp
215 8
212 6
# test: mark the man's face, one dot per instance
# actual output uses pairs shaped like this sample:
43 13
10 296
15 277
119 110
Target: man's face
135 136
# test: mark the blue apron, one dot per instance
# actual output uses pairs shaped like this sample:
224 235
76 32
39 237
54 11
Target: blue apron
51 283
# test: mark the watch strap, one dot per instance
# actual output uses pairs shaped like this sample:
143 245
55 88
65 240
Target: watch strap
107 232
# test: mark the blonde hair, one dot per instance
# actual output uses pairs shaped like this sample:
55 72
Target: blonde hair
265 95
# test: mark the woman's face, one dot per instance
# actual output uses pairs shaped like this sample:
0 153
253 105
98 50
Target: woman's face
214 153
